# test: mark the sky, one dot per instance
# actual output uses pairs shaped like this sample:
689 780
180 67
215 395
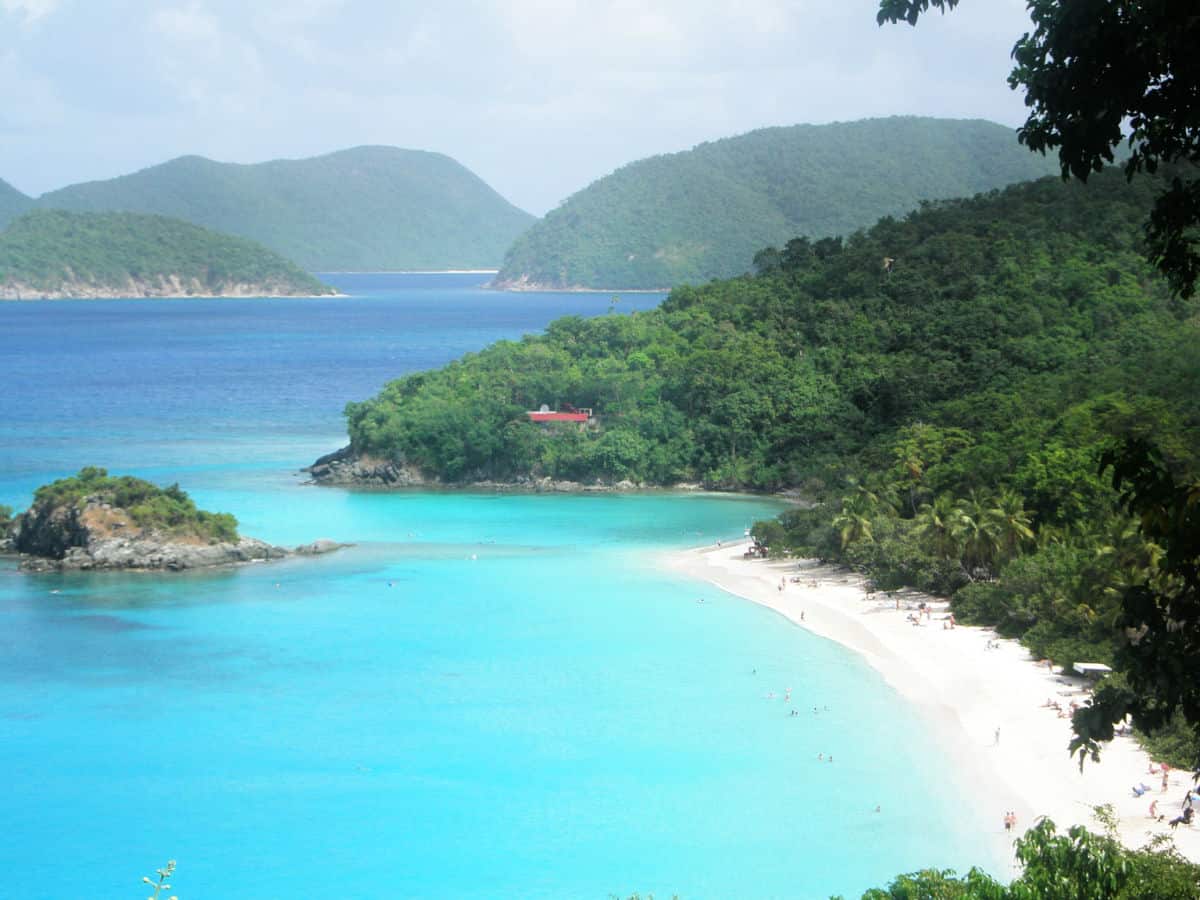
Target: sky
538 97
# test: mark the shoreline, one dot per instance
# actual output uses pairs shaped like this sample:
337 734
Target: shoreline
536 287
55 297
968 691
404 272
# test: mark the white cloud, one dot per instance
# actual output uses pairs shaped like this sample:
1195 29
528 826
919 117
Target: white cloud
192 23
29 10
540 97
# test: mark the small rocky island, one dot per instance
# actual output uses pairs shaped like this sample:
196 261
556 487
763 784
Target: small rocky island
94 521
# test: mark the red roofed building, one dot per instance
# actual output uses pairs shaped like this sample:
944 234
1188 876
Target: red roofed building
568 414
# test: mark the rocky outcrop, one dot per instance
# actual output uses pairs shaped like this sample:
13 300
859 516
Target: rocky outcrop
345 467
93 535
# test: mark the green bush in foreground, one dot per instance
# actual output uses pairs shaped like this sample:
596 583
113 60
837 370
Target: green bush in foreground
1077 865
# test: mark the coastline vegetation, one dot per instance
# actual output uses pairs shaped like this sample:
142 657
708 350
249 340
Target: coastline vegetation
52 251
941 388
703 213
167 510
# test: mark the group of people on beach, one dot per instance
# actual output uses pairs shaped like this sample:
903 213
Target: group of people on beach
1051 703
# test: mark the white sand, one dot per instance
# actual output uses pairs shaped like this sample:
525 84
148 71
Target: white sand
969 691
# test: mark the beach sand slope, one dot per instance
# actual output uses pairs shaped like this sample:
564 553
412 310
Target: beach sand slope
985 694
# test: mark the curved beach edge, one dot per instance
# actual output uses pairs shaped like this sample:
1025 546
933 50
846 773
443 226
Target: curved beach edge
985 694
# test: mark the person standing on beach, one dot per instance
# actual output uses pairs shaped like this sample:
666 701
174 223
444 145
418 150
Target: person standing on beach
996 739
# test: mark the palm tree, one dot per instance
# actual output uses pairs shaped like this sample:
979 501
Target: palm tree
1010 522
853 523
976 533
935 523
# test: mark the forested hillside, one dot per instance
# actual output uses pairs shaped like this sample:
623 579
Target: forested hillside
948 417
703 213
1001 309
12 203
51 253
367 208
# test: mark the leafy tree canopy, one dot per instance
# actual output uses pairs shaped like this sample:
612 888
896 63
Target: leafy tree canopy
167 509
1099 74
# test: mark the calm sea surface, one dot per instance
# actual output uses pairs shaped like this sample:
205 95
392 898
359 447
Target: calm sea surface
487 697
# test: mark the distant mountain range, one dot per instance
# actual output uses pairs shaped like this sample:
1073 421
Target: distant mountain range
55 253
12 203
367 208
704 213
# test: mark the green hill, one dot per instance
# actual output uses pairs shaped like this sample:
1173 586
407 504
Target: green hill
368 208
56 253
704 213
947 419
12 203
1014 304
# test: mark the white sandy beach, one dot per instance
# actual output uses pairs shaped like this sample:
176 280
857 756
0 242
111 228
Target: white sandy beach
970 691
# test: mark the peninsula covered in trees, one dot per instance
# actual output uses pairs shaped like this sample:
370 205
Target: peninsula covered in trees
60 254
941 387
703 213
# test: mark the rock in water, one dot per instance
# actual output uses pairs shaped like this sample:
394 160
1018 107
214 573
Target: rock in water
79 523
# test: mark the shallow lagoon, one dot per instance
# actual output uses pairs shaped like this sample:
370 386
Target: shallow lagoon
489 696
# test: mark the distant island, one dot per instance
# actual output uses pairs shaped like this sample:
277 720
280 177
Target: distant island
704 213
56 254
362 209
96 521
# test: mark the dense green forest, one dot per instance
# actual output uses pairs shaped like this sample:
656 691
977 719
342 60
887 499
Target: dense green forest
703 213
946 416
168 510
12 203
367 208
55 252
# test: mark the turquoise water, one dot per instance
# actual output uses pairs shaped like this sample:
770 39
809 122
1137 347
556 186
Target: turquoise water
486 697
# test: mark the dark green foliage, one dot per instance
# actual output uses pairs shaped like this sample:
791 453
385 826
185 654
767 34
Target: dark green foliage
948 417
48 250
6 519
367 209
169 510
1159 614
1098 75
1003 314
706 212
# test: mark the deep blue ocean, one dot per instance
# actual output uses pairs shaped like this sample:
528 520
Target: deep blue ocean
487 696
